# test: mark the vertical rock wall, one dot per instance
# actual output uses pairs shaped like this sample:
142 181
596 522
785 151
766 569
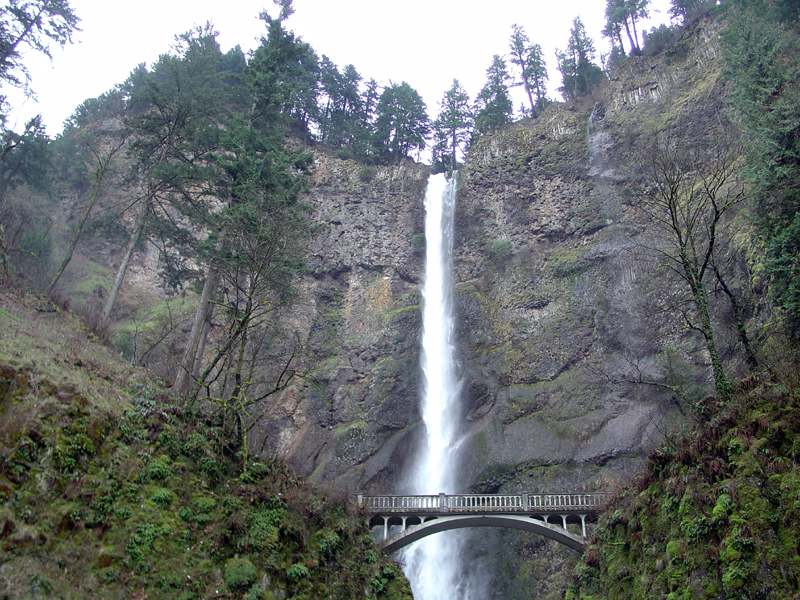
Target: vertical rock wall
560 305
349 422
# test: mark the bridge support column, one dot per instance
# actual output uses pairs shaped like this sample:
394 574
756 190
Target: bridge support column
583 526
564 521
385 527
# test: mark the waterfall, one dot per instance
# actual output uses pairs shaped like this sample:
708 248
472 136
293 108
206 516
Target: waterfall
432 564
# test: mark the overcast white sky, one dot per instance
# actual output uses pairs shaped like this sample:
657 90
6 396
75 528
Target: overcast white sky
426 43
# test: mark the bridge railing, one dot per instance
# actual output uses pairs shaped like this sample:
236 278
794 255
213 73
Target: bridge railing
483 503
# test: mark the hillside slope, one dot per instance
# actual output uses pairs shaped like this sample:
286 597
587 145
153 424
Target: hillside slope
110 489
714 513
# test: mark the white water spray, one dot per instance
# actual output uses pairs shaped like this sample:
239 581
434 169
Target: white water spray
432 563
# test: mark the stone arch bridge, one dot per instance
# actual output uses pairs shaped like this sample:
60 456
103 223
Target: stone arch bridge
397 521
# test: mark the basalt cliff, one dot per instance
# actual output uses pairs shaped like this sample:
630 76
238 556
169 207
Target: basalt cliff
573 360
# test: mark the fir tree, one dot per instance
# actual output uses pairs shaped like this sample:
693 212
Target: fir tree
493 107
452 128
533 70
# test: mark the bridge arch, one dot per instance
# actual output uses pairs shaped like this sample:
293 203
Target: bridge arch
445 523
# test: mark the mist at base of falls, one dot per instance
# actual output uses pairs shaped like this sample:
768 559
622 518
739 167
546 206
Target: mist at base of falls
433 564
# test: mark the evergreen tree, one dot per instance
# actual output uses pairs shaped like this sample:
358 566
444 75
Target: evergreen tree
341 116
29 161
183 108
34 25
331 101
686 10
251 249
362 142
625 14
579 74
761 60
533 70
26 25
493 106
174 115
401 123
289 93
452 128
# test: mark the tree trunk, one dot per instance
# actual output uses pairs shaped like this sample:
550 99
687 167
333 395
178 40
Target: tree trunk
721 385
635 34
738 316
630 37
530 99
183 378
201 345
123 267
3 259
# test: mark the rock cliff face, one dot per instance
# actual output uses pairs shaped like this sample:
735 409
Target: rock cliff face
559 311
556 294
351 423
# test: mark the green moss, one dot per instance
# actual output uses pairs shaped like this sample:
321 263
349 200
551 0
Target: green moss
399 313
568 262
418 243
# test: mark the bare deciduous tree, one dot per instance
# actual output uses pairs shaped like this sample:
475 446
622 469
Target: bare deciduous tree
689 191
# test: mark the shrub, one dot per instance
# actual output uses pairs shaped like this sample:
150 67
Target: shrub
162 497
658 39
418 243
296 572
500 250
159 468
239 572
141 542
366 174
263 532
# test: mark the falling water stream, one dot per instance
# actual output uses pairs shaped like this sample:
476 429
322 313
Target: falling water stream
432 564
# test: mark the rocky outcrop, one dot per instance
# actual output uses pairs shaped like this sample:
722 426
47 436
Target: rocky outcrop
560 309
349 423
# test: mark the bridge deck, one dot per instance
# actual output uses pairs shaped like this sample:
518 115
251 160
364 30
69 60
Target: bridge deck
484 503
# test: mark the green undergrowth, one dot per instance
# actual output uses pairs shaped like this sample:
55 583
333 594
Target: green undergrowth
715 514
150 501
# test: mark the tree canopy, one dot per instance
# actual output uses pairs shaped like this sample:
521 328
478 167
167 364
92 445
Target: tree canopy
402 123
452 128
533 70
579 74
34 25
625 14
493 107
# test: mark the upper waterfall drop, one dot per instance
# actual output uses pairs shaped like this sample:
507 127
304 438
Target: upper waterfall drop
440 394
432 564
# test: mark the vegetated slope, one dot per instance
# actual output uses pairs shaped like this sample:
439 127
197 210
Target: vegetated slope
109 489
714 514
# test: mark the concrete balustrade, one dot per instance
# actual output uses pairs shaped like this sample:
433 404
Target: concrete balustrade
483 503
